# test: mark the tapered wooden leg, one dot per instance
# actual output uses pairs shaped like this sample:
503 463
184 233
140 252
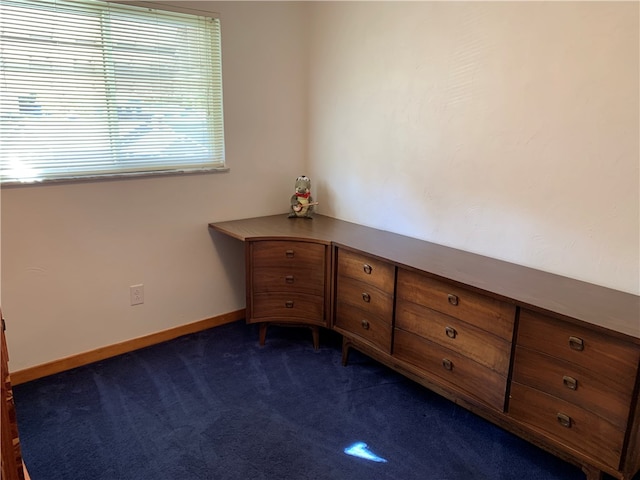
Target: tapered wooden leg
346 345
263 332
592 473
315 332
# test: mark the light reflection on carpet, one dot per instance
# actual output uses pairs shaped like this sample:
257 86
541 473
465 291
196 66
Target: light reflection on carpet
361 450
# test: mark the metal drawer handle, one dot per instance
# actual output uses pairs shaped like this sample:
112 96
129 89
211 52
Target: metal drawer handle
576 343
447 364
453 299
365 324
570 382
366 297
289 279
564 420
367 268
288 304
289 253
451 332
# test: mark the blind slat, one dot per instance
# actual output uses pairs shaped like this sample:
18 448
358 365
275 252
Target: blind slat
91 88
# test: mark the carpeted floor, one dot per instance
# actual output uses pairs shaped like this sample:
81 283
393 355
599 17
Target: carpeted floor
216 405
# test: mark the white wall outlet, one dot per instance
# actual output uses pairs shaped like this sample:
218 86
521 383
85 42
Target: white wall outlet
136 292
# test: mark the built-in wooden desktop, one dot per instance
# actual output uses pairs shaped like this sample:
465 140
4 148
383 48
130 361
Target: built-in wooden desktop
549 358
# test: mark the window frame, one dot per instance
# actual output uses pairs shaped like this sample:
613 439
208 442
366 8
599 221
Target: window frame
158 169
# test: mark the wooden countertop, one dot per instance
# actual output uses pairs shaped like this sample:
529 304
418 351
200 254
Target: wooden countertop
571 299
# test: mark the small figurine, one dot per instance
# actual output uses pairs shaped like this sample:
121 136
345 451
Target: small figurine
302 204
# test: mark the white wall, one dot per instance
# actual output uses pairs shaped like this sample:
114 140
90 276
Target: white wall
71 251
509 128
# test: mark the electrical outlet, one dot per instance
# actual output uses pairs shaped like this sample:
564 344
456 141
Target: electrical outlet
136 292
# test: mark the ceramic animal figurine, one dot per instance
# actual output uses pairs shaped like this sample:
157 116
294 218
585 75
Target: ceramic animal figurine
302 204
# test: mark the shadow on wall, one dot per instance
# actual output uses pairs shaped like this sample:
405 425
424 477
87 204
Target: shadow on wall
230 251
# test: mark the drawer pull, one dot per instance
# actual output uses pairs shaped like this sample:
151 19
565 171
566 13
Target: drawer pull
447 364
365 324
570 382
451 332
564 420
576 343
289 279
366 297
289 253
453 299
367 268
288 304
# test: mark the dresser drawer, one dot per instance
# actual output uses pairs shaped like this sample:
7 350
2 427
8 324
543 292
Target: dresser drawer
452 367
373 272
567 423
290 254
351 320
606 356
485 348
286 279
283 306
484 312
372 300
575 384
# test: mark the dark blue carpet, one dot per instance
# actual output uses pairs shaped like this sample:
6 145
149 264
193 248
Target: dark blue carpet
216 405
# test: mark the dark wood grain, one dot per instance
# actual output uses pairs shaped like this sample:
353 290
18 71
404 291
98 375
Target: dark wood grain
366 269
280 306
283 279
352 321
597 393
613 310
586 431
487 349
609 356
364 288
293 255
485 312
632 461
12 466
374 301
461 371
287 282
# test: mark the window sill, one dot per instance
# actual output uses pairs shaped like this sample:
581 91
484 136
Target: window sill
114 176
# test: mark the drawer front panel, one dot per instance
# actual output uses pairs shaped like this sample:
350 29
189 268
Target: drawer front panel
281 253
351 320
309 308
486 313
373 272
610 357
567 423
366 297
453 368
574 384
487 349
284 279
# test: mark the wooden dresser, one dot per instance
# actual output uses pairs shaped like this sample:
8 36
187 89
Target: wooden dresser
554 360
575 384
364 300
12 466
288 282
460 339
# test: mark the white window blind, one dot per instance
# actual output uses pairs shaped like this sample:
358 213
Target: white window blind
91 88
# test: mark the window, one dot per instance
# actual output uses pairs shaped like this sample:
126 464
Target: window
91 88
